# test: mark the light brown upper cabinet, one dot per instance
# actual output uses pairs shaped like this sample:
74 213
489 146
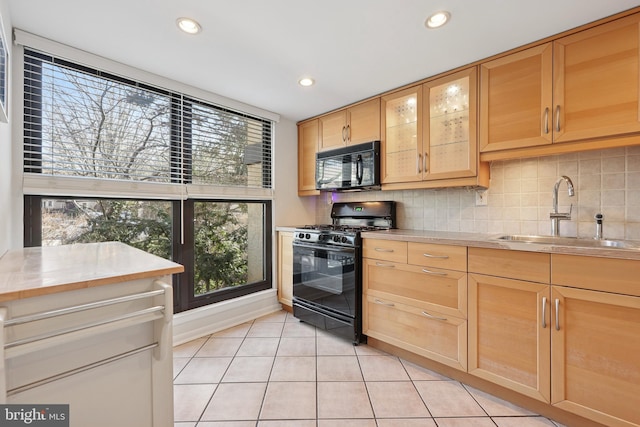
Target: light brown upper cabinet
450 115
353 125
401 147
429 134
516 99
307 149
580 87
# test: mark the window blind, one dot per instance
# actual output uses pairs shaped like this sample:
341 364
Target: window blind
85 123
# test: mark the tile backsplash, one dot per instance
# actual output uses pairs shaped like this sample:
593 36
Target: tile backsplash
520 198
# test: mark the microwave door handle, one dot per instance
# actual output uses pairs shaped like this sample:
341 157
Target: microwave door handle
359 169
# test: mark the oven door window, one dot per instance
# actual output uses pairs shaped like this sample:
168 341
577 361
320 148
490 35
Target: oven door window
326 277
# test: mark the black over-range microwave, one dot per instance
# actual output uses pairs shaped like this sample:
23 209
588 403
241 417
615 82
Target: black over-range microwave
350 168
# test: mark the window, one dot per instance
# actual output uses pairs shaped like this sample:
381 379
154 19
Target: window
109 158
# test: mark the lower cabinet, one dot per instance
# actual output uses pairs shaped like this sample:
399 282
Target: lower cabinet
562 329
509 334
509 330
285 268
595 338
596 355
411 302
433 335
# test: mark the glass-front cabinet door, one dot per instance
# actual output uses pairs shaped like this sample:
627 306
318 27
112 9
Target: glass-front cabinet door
429 131
449 116
402 155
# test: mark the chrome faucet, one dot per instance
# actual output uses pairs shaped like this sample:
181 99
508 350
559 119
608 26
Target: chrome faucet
556 216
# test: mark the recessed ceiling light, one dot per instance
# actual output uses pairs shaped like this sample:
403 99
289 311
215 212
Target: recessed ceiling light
306 81
438 19
188 25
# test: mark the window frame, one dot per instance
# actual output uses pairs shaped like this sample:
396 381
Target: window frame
181 195
184 297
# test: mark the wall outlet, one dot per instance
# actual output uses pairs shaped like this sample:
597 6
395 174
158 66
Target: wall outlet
481 197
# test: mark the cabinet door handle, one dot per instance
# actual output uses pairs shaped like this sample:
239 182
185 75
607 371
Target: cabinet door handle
386 304
546 120
431 316
557 118
436 256
379 264
419 163
383 250
348 132
544 312
344 134
435 273
557 314
426 159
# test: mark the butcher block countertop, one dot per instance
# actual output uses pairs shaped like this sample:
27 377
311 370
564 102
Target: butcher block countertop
38 271
480 240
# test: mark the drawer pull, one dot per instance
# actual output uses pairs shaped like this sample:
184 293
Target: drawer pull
434 273
383 250
387 304
544 312
431 316
557 314
436 256
380 264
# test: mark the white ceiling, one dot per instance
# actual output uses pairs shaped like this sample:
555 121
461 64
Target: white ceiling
254 51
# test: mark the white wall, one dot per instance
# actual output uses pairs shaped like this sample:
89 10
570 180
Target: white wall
290 210
6 169
520 198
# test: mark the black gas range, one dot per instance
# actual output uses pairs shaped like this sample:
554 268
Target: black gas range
327 266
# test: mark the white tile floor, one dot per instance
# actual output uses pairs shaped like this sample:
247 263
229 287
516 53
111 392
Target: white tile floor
278 372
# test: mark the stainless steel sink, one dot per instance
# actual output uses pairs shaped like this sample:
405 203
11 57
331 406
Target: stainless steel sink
570 241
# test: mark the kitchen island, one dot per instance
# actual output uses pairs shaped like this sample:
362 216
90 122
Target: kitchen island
89 325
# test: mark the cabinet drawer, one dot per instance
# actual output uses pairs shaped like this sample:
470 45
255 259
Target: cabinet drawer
442 256
600 274
429 334
527 266
388 250
434 289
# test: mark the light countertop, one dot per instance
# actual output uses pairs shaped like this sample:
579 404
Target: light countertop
37 271
490 241
286 228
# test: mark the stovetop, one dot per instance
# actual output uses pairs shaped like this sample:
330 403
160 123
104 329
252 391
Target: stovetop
349 219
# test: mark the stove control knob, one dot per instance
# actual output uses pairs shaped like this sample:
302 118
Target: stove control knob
344 239
307 236
301 236
336 238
